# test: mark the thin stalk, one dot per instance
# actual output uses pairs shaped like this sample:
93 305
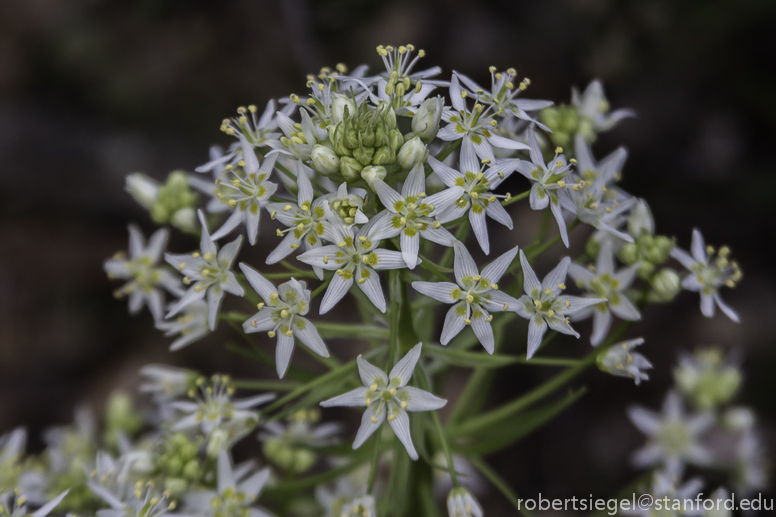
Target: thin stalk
375 458
499 483
515 199
445 449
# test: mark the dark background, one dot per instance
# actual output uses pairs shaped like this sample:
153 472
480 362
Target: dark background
91 90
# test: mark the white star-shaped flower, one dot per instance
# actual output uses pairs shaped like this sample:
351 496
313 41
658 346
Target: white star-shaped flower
354 257
604 282
708 273
210 272
411 214
477 198
543 305
282 314
147 278
388 394
618 360
475 296
247 191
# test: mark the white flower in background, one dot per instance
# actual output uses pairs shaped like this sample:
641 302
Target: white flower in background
306 220
707 378
673 437
147 279
353 257
12 449
346 204
602 281
210 272
609 169
476 125
751 466
502 95
592 105
215 407
722 506
247 190
166 382
192 324
477 197
411 214
235 495
140 503
360 507
282 314
549 181
708 273
468 476
543 304
388 394
676 501
344 490
12 505
461 503
217 167
475 296
292 446
620 360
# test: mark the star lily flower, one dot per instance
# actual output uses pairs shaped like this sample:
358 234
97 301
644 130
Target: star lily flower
549 181
13 505
346 204
210 271
475 125
215 406
543 305
602 281
166 382
306 220
590 170
137 503
708 273
619 361
235 494
478 198
388 394
217 167
475 296
282 314
248 192
257 130
192 324
405 104
592 105
461 503
147 278
399 65
673 437
411 214
298 139
502 96
354 256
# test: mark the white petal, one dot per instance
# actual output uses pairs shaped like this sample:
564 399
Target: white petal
315 257
463 265
455 94
698 247
707 305
354 398
534 150
261 285
309 336
401 427
369 373
557 276
484 332
447 174
260 322
453 324
388 259
624 309
558 213
229 252
190 297
373 290
388 197
367 426
230 224
252 220
337 289
729 312
530 281
283 351
499 214
538 197
410 246
421 400
469 161
441 201
156 244
284 249
214 299
404 368
536 329
415 182
648 422
602 321
439 236
496 269
252 486
136 241
506 143
580 273
439 291
480 229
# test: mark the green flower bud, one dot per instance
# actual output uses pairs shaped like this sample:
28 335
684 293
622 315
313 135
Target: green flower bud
593 246
628 253
120 415
707 379
395 139
144 189
303 460
192 470
641 220
384 155
666 284
389 116
411 153
341 107
173 196
185 219
425 123
364 155
645 269
176 487
370 173
350 168
325 161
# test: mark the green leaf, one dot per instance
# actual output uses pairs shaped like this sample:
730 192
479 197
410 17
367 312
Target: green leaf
470 359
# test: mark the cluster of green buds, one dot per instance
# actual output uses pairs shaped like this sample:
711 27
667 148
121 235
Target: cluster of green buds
120 418
80 498
566 122
291 450
648 251
180 463
707 379
170 203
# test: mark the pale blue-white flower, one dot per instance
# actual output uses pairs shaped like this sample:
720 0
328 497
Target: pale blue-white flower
147 279
338 495
257 129
502 96
602 281
346 204
282 314
674 500
190 325
360 507
543 304
388 394
475 296
215 407
621 361
593 106
219 159
142 502
609 168
165 382
476 125
354 256
237 490
305 221
405 104
673 436
210 271
246 190
549 181
461 503
13 505
709 272
477 198
298 139
411 214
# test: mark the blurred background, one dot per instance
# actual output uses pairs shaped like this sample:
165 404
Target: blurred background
91 90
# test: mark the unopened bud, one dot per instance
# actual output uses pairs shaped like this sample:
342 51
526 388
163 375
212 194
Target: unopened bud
325 161
666 284
370 173
350 168
425 123
411 153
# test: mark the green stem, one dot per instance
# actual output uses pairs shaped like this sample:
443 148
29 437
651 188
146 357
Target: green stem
499 483
394 345
262 384
445 449
373 468
515 199
341 330
320 288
